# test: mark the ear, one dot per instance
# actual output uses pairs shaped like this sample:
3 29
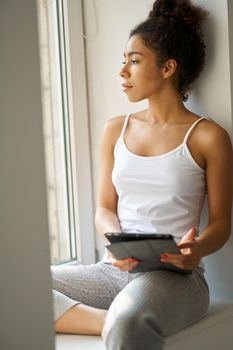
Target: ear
169 68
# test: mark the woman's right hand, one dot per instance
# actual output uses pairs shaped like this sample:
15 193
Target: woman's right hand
123 264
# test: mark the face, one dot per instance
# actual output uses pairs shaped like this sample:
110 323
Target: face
141 75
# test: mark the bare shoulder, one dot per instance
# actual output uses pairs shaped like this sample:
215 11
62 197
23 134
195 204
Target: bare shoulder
112 128
211 132
115 122
213 138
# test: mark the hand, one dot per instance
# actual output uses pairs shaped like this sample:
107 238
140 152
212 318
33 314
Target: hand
190 249
123 264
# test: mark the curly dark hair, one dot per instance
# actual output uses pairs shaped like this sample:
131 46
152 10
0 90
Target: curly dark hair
173 29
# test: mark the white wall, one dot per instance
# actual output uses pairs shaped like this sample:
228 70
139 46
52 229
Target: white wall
213 97
25 292
107 33
107 26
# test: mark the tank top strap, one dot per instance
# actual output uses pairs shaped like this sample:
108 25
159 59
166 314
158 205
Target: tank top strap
191 128
124 125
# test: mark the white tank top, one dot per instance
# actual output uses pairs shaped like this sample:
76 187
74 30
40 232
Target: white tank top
158 194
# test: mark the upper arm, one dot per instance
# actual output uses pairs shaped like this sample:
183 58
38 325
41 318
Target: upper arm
106 194
218 155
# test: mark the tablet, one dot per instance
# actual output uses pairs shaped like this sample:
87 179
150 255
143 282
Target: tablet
114 237
145 247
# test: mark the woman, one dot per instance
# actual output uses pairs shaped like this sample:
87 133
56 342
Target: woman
157 165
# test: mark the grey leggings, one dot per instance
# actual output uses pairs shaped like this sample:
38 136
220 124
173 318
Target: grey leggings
143 307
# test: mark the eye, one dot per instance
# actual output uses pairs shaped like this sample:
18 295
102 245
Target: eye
133 61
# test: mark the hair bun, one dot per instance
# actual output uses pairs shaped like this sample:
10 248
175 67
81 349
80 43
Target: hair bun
179 10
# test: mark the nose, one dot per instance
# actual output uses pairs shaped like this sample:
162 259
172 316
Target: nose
123 71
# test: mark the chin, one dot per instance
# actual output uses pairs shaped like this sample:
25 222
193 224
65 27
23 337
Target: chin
135 99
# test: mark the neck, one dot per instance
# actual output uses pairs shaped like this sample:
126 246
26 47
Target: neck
165 109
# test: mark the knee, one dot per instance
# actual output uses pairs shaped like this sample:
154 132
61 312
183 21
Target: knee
134 330
121 326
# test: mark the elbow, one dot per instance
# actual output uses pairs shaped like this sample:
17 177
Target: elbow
226 233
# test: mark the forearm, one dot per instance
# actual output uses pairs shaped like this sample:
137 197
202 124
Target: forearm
106 221
214 236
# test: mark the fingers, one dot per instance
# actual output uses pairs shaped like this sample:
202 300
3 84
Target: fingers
183 261
125 264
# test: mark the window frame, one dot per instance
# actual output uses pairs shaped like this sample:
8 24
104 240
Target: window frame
79 135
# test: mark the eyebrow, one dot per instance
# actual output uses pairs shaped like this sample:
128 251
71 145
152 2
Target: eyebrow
131 53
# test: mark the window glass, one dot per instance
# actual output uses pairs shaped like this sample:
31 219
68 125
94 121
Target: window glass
56 131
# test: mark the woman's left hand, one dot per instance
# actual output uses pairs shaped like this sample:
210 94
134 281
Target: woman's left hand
190 252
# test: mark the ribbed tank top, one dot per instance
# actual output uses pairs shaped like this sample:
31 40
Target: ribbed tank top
158 194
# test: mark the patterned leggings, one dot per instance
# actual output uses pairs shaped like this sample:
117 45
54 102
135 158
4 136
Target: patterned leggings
143 307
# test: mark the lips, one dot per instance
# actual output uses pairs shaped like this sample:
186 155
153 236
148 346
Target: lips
126 86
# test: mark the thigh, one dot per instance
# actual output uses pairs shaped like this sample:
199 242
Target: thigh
95 285
170 300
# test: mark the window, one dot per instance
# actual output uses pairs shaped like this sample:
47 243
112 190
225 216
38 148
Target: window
66 131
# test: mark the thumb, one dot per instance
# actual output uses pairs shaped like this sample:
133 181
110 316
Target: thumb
190 235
